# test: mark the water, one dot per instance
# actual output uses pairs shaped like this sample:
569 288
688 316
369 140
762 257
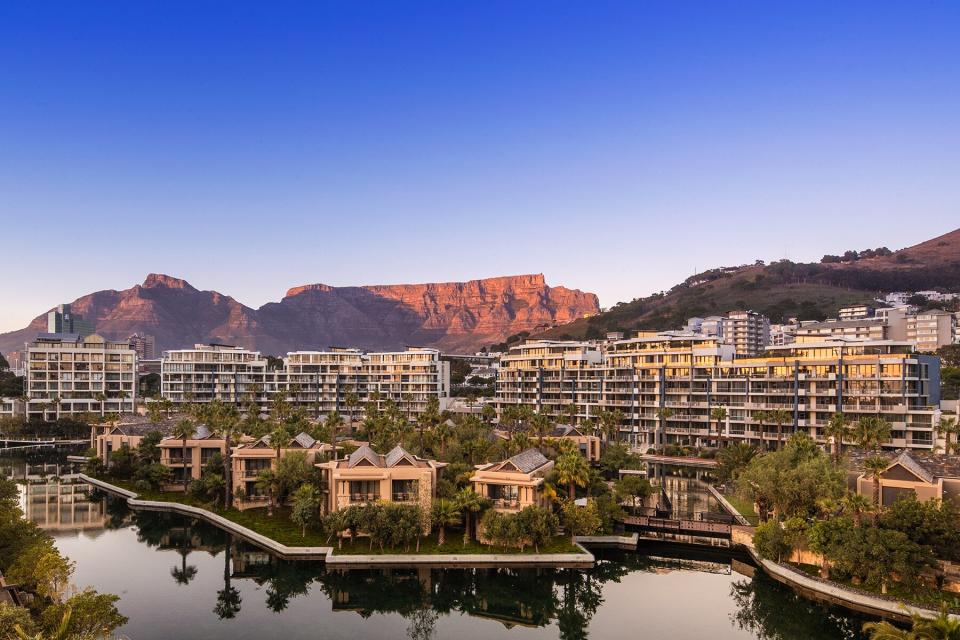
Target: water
183 578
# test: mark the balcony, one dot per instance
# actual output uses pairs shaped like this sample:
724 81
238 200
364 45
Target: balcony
404 496
359 498
506 503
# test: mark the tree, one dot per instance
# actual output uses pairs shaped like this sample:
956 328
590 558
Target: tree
580 521
718 415
933 523
334 423
430 417
946 428
184 431
733 459
92 615
871 431
942 627
632 487
305 502
875 465
610 422
950 355
538 525
540 424
446 513
838 428
573 470
224 420
293 470
42 570
269 482
771 542
780 417
13 617
469 502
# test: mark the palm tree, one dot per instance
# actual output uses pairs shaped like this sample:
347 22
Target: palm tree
469 502
664 414
856 505
183 431
573 471
268 481
224 420
718 415
429 418
445 514
123 395
333 422
875 465
101 397
838 428
610 421
871 431
540 424
279 437
762 417
946 428
443 431
943 627
780 417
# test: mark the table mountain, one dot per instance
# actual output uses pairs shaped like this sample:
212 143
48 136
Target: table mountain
453 316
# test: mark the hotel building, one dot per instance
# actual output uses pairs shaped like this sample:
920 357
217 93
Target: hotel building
67 374
691 375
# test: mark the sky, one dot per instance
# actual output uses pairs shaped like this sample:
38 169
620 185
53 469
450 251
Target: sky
616 147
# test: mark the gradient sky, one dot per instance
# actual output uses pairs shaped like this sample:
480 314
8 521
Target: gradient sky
615 147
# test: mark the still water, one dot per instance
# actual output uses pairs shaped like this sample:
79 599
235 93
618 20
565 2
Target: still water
183 578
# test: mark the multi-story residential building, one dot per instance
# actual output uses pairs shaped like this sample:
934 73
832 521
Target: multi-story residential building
11 407
67 374
747 331
212 372
863 328
514 483
144 345
855 312
250 459
320 381
367 476
895 319
691 375
931 330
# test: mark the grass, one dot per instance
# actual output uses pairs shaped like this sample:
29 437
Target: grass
277 527
917 595
453 545
743 507
282 530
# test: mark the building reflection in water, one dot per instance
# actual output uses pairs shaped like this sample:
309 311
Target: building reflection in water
53 496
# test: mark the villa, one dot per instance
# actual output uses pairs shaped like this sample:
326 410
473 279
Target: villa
200 448
367 476
249 459
924 475
514 483
587 445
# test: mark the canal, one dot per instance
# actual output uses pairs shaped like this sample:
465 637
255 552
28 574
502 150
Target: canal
182 578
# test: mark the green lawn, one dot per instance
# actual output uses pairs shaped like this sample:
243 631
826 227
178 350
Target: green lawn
743 507
278 527
452 545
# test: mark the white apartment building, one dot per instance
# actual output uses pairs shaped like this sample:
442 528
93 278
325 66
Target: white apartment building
747 331
11 407
692 375
856 312
320 381
863 329
67 375
931 330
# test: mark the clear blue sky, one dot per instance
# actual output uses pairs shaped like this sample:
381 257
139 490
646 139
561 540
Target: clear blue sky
615 147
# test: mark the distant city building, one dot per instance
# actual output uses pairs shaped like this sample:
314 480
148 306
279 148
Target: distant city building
67 374
63 320
931 330
864 328
857 312
144 345
747 331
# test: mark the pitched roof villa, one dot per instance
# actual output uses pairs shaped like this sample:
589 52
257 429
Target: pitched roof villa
250 459
514 483
924 475
367 476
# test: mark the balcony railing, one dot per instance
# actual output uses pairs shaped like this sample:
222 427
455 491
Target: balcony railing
404 496
364 497
506 503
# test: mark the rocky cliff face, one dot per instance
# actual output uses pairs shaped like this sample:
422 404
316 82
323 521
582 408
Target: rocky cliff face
453 316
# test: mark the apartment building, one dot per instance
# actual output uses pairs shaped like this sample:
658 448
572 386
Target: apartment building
210 372
320 381
367 476
145 346
931 330
250 459
855 312
691 375
859 329
68 374
747 331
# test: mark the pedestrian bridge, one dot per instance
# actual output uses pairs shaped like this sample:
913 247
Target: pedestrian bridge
703 524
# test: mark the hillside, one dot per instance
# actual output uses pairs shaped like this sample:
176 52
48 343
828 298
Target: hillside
453 316
809 291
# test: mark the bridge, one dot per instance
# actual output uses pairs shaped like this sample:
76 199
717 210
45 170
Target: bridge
10 442
679 461
711 525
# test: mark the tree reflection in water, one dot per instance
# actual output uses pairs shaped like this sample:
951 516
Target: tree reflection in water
567 597
772 612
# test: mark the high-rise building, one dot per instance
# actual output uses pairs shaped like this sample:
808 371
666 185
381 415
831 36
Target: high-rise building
63 320
931 330
144 345
67 374
747 331
691 375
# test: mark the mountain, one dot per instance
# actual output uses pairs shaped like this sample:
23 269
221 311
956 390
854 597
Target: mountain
453 316
809 291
